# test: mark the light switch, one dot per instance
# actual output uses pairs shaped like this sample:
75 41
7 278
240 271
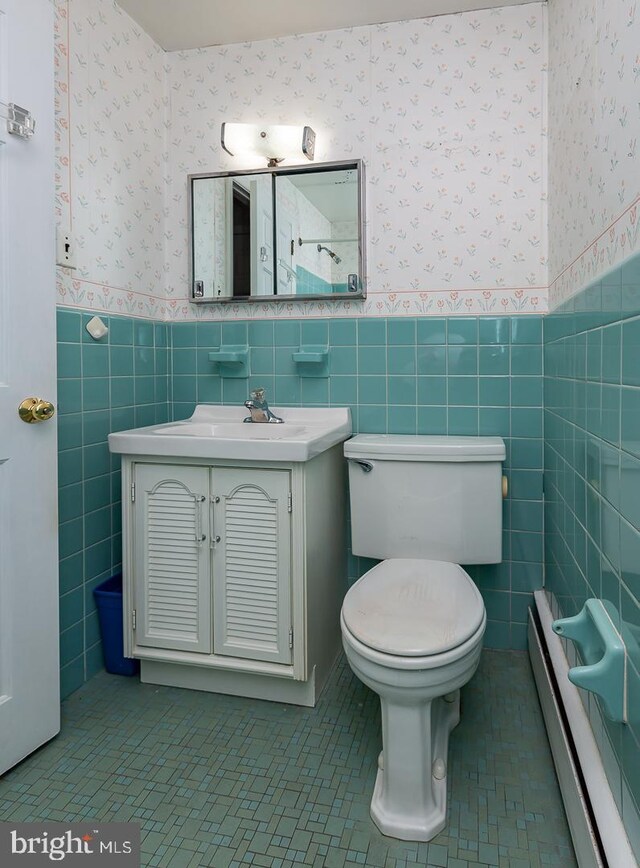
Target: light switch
65 249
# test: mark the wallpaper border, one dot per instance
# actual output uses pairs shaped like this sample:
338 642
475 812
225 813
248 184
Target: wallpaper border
611 247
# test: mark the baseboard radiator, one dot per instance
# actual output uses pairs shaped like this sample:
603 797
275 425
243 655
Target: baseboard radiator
597 831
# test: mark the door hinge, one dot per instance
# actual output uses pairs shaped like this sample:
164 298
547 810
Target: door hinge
133 619
291 638
20 121
290 502
133 492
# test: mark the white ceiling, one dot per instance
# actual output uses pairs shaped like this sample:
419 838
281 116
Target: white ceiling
334 194
181 24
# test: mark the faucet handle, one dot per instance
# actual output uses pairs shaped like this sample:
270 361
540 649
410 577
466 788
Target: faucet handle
257 394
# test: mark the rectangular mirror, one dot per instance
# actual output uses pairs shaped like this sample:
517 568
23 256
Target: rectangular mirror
278 233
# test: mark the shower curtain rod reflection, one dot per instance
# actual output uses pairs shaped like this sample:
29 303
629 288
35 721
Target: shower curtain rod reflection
302 241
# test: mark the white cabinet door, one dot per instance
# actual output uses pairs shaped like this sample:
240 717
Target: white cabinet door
171 571
252 563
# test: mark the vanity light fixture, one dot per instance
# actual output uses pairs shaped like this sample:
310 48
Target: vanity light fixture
275 143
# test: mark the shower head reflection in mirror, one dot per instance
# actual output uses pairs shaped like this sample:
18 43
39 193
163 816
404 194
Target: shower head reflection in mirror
333 255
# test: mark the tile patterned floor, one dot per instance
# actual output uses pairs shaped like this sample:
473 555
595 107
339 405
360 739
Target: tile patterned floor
225 782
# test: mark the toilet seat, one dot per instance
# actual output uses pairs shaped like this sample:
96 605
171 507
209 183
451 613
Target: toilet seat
403 664
414 608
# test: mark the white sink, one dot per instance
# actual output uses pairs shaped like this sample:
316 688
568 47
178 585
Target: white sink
234 430
220 432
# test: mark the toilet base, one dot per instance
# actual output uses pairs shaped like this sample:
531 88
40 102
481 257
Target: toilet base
410 795
420 705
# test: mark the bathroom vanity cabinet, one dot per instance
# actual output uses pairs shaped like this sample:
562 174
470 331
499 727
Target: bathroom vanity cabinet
234 572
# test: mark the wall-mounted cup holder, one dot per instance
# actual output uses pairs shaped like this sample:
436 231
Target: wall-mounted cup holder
311 361
232 361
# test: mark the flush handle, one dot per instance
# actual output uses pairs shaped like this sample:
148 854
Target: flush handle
366 466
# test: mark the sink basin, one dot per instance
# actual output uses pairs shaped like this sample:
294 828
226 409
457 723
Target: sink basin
234 430
220 432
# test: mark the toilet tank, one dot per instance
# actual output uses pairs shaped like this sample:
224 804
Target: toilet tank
429 497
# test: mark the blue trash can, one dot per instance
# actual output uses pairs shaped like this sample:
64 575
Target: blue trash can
108 597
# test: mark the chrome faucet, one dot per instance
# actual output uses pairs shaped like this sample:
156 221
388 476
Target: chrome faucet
259 409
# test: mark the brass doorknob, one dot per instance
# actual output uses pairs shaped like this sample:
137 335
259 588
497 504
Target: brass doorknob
35 410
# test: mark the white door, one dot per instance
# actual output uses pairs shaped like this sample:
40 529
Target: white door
262 235
29 670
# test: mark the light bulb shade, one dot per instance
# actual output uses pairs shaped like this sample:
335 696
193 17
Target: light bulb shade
275 143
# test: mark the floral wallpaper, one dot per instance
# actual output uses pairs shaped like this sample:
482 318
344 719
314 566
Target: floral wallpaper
110 128
448 114
594 131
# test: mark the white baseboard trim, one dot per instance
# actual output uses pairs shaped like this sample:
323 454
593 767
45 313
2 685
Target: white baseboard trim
597 830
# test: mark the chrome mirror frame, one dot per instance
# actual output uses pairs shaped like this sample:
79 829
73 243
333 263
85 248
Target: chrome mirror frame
358 292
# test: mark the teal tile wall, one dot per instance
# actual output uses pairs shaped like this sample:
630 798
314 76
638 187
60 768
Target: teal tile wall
438 376
119 382
406 376
592 483
308 283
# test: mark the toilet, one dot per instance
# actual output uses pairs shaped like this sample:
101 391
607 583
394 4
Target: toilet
412 626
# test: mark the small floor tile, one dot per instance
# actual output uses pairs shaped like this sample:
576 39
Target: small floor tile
219 781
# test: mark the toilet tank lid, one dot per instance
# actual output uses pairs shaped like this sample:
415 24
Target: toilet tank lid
399 447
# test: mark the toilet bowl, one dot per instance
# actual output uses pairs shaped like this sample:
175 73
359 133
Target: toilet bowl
412 631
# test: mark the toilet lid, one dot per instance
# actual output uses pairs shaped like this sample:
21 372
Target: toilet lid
413 608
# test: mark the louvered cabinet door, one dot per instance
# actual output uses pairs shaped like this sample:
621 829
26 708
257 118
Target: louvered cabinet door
171 557
252 564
